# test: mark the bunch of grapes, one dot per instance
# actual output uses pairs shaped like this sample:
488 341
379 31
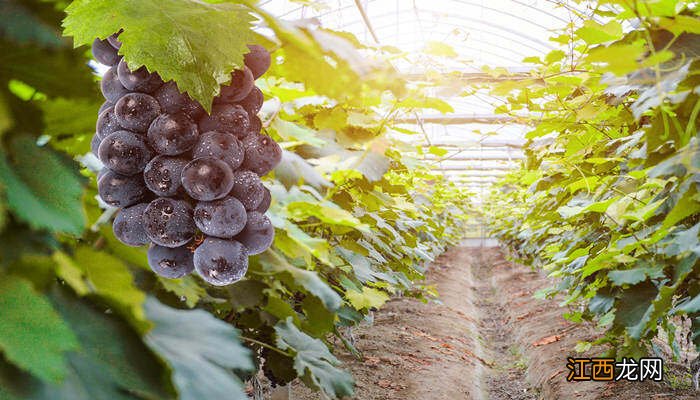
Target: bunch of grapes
186 182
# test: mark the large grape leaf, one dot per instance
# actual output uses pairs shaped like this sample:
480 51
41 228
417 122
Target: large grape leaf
272 261
106 276
32 335
192 42
40 189
200 349
313 362
111 364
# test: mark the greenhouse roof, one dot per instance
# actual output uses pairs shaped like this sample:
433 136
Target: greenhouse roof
495 33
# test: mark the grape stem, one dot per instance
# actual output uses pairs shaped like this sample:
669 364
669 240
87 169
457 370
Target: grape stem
273 348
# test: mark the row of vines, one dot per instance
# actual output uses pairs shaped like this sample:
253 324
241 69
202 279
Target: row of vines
608 200
83 317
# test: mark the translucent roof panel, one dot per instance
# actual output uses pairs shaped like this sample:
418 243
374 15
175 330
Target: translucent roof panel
494 33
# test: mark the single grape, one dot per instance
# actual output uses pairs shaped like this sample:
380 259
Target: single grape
104 52
172 101
170 262
124 152
112 89
128 226
258 60
258 233
112 39
172 134
207 178
105 106
163 175
136 111
223 146
119 190
248 189
169 222
221 262
242 82
262 154
95 144
227 118
221 218
255 125
107 123
265 203
253 101
139 80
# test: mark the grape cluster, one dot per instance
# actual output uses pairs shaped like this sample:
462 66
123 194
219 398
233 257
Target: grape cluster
186 182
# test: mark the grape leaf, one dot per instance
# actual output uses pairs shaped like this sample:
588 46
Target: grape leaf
40 189
32 334
313 362
108 277
200 349
309 280
70 123
368 298
111 364
191 42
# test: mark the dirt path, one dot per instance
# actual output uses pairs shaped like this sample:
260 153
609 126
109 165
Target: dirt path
487 338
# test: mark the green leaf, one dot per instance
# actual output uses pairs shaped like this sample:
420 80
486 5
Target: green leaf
40 189
108 277
292 132
634 276
438 151
70 123
192 42
329 214
439 49
685 207
594 33
617 58
32 335
309 280
681 23
111 364
368 298
200 349
313 362
186 288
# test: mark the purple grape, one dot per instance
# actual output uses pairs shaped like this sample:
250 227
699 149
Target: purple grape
266 201
112 89
124 152
258 60
227 118
139 80
221 218
168 222
119 190
248 189
105 106
172 134
163 175
173 102
207 178
258 233
112 39
242 82
253 102
221 262
255 125
262 154
223 146
128 226
169 262
107 123
95 144
104 52
136 111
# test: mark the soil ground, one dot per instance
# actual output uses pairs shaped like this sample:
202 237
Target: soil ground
486 338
